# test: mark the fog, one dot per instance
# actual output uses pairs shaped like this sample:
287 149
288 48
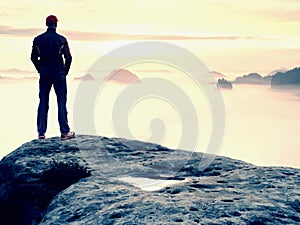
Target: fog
262 125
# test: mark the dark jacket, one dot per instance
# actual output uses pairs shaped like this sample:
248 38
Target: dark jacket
47 53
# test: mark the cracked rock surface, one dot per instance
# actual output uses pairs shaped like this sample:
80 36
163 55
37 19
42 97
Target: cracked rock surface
86 180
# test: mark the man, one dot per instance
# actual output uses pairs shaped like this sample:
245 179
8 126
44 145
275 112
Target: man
52 59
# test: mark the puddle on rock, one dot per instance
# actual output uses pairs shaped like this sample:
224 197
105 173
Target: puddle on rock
148 184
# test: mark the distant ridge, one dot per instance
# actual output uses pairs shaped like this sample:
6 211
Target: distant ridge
16 71
253 78
287 79
279 78
87 77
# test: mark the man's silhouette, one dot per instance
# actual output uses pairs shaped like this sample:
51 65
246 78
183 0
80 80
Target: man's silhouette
52 59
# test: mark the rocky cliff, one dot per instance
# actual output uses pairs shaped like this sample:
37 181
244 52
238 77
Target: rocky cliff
98 180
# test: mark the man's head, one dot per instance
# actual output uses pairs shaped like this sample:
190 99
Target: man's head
51 21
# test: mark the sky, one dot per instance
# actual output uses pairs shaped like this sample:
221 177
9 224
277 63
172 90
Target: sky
233 37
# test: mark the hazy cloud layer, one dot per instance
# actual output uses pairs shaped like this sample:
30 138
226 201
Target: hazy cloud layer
154 71
16 71
19 32
15 79
98 36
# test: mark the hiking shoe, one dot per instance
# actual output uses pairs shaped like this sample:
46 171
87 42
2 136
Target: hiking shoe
42 136
67 136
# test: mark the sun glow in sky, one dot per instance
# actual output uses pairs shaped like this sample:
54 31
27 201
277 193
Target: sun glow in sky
233 37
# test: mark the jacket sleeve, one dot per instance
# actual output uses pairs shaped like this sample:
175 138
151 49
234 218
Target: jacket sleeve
68 57
35 54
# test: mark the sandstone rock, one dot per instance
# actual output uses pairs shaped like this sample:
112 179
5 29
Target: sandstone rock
93 186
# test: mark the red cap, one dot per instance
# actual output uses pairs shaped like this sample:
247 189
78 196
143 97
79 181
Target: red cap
51 18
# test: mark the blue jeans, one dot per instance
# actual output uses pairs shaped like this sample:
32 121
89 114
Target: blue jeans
60 87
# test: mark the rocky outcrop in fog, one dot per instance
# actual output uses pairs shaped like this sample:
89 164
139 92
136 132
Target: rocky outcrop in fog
253 78
287 79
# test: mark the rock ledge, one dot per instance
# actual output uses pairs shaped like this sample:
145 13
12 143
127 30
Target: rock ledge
81 181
